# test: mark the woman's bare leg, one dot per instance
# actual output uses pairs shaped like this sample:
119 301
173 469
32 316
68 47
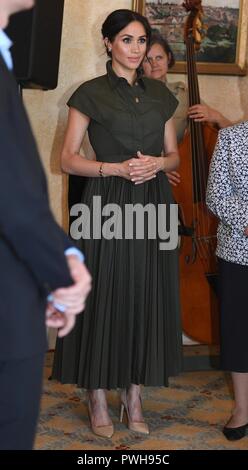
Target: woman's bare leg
240 412
134 403
99 414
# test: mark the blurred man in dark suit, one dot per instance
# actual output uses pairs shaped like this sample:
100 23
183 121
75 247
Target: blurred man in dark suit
37 261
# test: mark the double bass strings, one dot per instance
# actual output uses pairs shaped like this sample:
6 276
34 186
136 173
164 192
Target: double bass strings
198 162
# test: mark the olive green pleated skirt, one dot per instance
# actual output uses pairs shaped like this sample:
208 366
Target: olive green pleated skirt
130 331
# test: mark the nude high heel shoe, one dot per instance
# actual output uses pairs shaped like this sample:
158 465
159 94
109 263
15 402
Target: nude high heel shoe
136 426
101 431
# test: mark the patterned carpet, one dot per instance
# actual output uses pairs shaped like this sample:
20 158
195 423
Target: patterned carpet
187 415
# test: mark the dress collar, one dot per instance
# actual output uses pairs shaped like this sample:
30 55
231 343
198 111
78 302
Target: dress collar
116 81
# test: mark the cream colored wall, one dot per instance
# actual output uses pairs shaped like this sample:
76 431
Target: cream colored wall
227 94
83 57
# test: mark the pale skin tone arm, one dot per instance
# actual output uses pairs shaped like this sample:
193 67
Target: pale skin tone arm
138 170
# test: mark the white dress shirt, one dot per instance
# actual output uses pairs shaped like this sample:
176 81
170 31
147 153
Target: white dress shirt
5 45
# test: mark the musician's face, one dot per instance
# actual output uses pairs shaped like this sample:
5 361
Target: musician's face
156 63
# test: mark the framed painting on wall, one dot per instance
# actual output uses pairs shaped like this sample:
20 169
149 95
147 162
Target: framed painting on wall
223 49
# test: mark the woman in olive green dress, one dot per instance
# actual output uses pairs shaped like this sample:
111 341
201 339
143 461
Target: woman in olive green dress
130 331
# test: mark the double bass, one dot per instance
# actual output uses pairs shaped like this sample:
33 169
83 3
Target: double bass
198 265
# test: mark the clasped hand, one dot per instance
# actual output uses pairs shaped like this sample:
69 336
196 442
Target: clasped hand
141 169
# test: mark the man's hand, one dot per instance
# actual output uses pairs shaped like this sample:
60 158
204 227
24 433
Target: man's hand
73 298
62 321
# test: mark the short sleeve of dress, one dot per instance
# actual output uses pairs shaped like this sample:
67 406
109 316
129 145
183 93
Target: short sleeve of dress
162 97
170 102
83 100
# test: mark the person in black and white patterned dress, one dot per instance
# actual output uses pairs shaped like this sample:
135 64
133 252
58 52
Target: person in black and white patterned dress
227 198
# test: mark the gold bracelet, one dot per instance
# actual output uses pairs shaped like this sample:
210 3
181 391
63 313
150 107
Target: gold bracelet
100 169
